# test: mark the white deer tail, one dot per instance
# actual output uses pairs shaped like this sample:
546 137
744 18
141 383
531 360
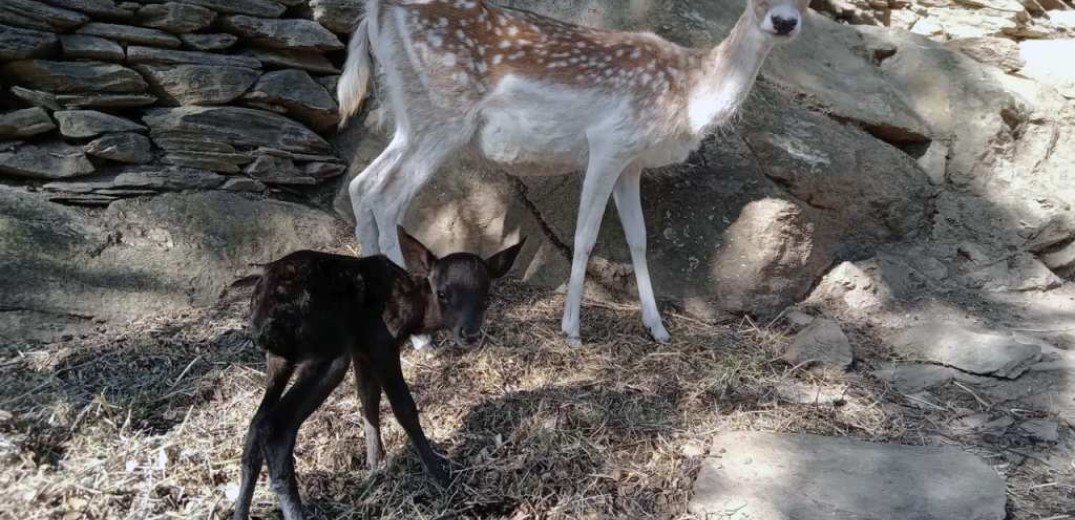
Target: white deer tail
354 84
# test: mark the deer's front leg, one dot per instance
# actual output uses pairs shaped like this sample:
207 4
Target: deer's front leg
601 175
629 205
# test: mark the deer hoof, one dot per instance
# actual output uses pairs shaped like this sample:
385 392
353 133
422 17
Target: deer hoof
659 334
573 341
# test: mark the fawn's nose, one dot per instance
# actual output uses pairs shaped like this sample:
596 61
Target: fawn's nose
470 337
782 25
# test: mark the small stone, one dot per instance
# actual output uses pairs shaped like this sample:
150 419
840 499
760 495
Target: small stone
1041 430
309 61
212 161
198 84
175 17
90 123
293 34
89 199
74 77
241 127
37 98
911 378
323 170
821 342
36 15
78 46
193 143
130 34
935 162
54 160
969 348
25 123
106 9
264 8
208 42
802 393
243 184
1061 261
138 55
798 318
21 44
126 148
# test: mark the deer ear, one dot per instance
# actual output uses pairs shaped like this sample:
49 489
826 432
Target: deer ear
417 257
500 263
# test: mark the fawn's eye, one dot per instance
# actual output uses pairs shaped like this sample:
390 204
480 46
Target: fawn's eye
442 295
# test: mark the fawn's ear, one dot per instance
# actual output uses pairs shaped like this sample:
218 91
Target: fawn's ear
417 257
500 263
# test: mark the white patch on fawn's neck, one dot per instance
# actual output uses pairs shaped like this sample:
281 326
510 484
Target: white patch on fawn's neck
734 66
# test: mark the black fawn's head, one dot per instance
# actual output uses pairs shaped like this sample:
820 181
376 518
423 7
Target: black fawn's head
459 284
780 19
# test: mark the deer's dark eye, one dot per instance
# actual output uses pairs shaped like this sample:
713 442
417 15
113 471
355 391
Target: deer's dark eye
443 296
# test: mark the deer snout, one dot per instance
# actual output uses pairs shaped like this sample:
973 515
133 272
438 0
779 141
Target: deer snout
468 336
783 25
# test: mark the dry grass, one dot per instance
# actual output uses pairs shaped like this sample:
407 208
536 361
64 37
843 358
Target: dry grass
146 420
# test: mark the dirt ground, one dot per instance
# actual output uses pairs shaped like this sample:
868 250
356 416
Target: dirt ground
146 420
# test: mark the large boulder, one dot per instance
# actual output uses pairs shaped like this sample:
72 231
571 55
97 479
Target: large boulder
141 256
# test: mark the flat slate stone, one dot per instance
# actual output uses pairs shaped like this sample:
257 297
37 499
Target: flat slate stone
820 342
175 17
192 143
106 9
302 97
130 34
242 184
25 123
213 161
167 179
241 127
138 54
90 123
309 61
37 98
969 348
127 147
63 77
209 42
198 84
772 476
911 378
338 16
291 33
265 8
36 15
54 160
80 46
20 44
105 100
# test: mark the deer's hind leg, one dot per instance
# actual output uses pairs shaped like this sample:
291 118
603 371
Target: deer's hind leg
279 371
627 194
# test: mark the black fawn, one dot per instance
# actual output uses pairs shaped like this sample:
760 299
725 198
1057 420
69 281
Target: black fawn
315 313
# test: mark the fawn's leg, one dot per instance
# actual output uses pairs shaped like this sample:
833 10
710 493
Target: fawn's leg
387 369
279 371
369 394
627 194
313 384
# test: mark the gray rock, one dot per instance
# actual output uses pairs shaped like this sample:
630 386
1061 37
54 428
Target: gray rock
969 348
277 170
911 378
242 184
25 123
212 161
175 17
105 100
329 82
338 16
87 184
802 393
1041 430
235 126
37 98
130 34
137 55
309 61
1052 392
165 253
87 199
771 256
264 8
1001 52
78 46
54 160
293 34
193 143
167 179
1020 272
324 170
74 77
21 44
1061 260
771 476
126 148
90 123
104 9
198 84
208 42
36 15
303 98
822 342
